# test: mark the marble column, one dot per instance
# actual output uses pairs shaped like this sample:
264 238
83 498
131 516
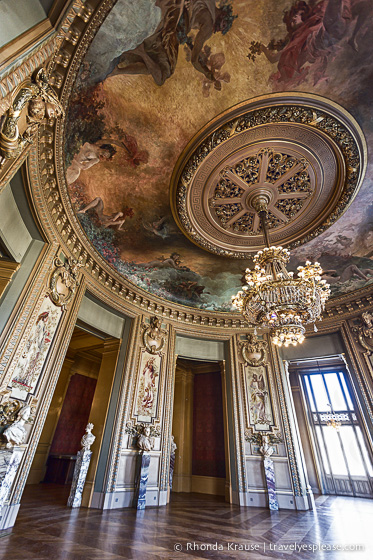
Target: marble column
10 459
142 479
271 483
80 474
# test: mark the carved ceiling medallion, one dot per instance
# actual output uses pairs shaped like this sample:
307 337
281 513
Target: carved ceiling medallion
306 155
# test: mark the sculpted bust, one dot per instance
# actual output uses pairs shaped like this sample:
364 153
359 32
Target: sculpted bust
145 441
88 438
266 449
16 434
173 445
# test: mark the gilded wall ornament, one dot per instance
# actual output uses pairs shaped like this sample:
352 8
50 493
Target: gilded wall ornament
143 435
364 330
263 439
154 336
254 351
9 410
34 102
64 281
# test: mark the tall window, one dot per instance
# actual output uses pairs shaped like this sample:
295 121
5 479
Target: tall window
344 458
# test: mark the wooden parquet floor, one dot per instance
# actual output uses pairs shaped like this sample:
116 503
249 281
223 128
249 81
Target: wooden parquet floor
192 526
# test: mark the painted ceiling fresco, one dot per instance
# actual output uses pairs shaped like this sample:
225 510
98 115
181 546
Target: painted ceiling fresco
156 72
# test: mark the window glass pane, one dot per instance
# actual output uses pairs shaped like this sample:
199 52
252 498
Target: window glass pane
365 451
353 456
333 446
346 390
308 389
322 449
319 391
335 392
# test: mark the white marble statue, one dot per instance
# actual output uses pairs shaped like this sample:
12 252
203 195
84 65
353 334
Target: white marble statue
145 441
266 448
88 438
173 445
16 433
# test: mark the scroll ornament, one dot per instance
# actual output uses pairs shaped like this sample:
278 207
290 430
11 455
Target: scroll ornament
154 336
254 351
35 100
364 331
64 281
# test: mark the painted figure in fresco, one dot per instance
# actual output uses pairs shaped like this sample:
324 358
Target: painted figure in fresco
313 30
106 220
88 156
349 273
214 63
258 399
150 375
159 227
173 261
157 55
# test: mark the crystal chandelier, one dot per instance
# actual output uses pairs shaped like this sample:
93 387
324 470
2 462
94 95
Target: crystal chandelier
273 297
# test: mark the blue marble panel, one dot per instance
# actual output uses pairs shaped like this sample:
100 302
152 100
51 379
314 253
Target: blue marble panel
142 480
172 466
271 484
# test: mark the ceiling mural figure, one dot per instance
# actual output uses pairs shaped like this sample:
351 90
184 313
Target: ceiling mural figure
157 55
156 73
314 32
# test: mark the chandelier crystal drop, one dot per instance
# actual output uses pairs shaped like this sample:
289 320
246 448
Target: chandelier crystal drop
276 299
